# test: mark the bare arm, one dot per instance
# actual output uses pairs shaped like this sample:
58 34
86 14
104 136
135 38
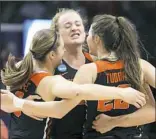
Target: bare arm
86 76
140 116
60 87
104 123
55 109
149 73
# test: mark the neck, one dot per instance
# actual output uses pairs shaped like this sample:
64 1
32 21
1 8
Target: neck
74 56
73 53
39 66
111 56
103 53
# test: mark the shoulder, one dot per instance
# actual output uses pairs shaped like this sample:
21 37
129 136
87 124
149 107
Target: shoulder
90 57
87 72
145 65
46 86
91 67
52 80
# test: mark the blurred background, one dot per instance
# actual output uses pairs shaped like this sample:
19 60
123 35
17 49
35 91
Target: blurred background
18 19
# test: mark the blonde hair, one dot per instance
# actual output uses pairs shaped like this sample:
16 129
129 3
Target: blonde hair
43 42
61 12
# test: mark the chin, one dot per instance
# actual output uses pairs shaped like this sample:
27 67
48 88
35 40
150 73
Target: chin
78 41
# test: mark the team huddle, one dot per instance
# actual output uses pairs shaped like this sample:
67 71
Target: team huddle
59 91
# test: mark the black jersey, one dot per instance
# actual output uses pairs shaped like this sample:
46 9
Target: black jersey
71 125
109 74
22 126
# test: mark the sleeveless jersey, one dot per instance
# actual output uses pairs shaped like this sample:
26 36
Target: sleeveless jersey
22 126
108 74
71 125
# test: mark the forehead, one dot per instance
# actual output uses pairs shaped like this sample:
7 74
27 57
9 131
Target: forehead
69 17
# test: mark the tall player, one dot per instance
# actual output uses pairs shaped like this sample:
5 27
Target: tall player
115 41
71 26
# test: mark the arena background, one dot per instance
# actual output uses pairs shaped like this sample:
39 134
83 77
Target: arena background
17 16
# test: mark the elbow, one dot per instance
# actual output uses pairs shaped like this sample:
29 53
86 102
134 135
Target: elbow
60 116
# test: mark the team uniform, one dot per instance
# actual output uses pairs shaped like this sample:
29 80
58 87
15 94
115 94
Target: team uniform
71 125
22 126
109 74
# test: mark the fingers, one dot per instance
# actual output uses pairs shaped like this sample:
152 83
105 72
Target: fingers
36 97
137 105
97 117
141 94
33 97
140 99
143 101
94 123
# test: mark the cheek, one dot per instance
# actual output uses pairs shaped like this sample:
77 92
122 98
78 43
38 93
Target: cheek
89 42
64 34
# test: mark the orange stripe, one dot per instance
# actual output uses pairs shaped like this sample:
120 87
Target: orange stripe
107 65
88 56
37 77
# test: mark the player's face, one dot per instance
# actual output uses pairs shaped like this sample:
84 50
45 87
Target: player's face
71 28
91 43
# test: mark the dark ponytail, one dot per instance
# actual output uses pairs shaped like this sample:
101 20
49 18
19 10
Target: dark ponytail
128 51
120 36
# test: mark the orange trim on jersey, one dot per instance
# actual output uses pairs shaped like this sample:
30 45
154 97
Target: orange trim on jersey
88 56
37 77
107 65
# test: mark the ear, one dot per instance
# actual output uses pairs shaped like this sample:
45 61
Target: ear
97 39
51 55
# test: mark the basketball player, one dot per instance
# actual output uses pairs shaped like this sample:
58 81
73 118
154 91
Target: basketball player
114 41
74 130
69 22
33 75
71 26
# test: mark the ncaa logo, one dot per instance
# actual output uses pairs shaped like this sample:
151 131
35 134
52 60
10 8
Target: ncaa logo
62 68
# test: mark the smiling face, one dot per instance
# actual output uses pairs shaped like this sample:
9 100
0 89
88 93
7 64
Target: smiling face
71 28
